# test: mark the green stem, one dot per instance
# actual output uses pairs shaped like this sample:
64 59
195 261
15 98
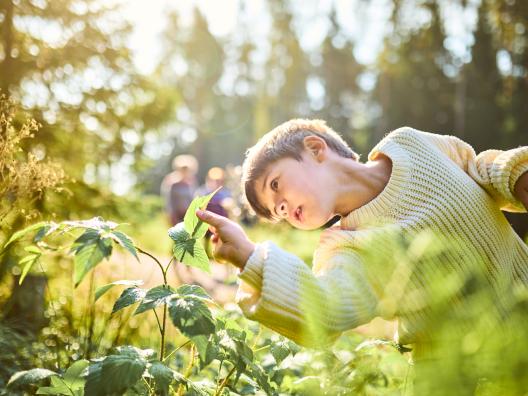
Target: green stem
157 320
176 349
157 262
224 382
163 328
188 370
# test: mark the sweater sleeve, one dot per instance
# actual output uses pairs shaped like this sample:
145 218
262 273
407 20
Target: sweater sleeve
279 290
494 170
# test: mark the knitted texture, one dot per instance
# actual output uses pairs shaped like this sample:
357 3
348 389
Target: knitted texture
439 190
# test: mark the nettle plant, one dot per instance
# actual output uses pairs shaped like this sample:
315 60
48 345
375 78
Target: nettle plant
131 370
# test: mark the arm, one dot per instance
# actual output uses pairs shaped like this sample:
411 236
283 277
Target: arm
494 170
281 291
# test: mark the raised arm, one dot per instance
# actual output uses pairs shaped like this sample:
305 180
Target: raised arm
279 290
496 171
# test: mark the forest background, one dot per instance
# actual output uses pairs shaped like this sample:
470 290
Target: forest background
110 114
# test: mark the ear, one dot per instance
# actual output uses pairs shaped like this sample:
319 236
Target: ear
316 147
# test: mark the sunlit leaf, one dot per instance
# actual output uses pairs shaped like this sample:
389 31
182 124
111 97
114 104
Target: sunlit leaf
125 241
163 376
19 234
193 225
129 296
155 297
28 261
187 249
191 316
88 255
29 377
103 289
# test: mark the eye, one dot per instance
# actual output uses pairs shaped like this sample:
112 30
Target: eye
274 184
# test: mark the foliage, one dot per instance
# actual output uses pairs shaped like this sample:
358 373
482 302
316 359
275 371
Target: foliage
24 177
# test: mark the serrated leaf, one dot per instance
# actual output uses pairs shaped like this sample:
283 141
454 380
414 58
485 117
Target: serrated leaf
21 233
73 377
121 372
29 377
89 255
197 258
116 373
178 233
191 316
48 229
58 387
103 289
96 223
280 351
193 291
187 249
27 262
193 225
207 349
125 241
155 297
163 376
128 297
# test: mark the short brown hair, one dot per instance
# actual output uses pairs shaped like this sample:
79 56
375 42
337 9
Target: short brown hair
285 141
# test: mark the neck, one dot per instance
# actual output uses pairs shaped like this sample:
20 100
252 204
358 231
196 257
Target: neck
360 183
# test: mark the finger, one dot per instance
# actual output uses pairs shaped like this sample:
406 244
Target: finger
210 217
215 238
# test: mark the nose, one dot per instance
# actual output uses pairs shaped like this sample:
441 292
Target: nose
282 209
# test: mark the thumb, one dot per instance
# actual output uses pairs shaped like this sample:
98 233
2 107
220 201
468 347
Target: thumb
210 217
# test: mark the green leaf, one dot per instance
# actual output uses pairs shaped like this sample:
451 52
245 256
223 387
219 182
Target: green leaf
163 376
280 351
194 291
89 254
197 258
29 377
116 373
73 377
125 241
155 297
103 289
58 387
207 349
95 223
193 225
178 233
19 234
128 297
28 261
187 249
191 316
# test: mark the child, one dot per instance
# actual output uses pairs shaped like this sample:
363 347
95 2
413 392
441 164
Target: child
303 172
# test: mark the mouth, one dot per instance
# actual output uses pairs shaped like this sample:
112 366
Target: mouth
298 214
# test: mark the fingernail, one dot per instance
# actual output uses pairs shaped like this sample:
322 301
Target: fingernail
199 212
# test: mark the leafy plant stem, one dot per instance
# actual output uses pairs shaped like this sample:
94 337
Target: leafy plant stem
157 262
224 382
163 328
261 348
188 370
176 349
157 320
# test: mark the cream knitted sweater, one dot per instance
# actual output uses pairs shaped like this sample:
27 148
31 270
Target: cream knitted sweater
438 184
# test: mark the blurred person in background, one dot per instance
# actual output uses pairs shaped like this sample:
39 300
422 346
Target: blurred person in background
178 187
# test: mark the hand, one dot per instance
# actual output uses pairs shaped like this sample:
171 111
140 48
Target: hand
521 189
231 243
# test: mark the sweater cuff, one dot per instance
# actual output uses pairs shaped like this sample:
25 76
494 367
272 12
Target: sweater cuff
252 272
506 170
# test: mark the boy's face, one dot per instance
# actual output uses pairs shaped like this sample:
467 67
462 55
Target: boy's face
298 191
